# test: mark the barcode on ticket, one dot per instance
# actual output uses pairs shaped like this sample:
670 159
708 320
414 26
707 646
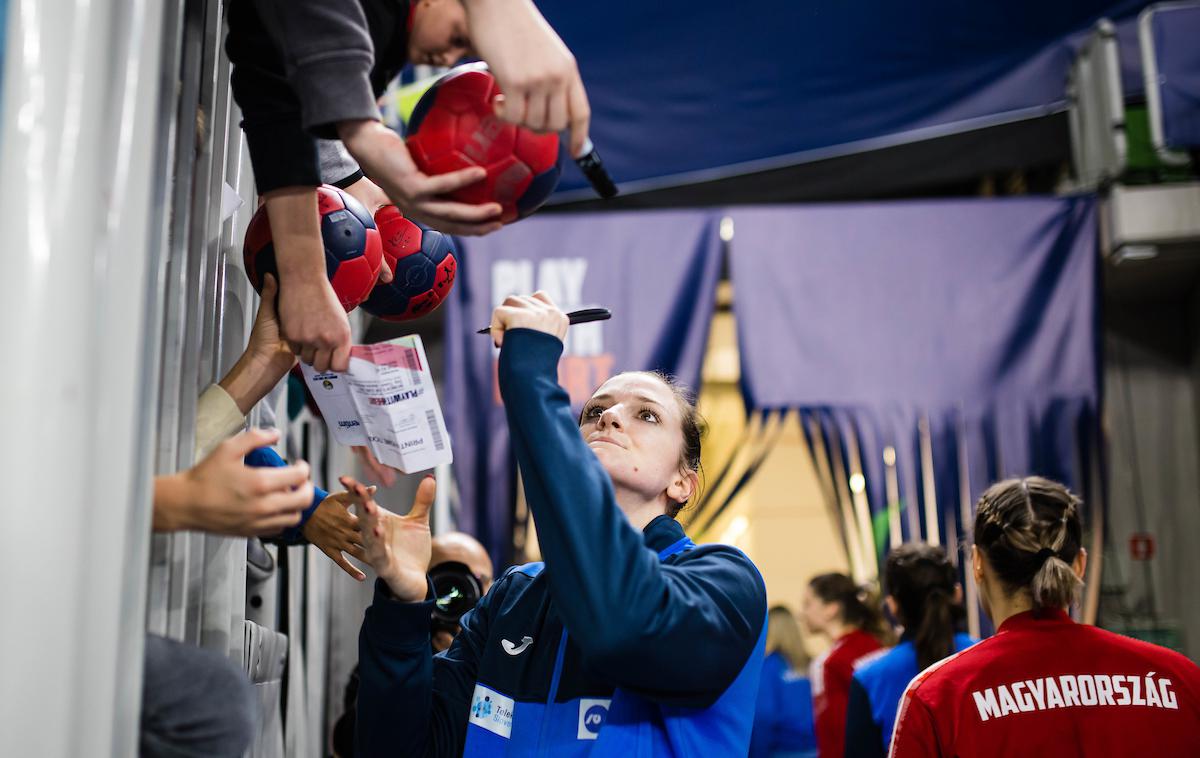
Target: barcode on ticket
435 431
407 357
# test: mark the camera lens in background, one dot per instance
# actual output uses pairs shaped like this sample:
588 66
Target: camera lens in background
455 591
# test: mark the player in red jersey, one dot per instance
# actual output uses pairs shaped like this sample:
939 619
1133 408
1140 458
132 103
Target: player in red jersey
1044 685
836 606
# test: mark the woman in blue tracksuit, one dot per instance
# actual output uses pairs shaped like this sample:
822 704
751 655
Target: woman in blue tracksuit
923 595
783 716
628 641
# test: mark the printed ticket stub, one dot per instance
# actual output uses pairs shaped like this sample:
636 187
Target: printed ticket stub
332 393
387 402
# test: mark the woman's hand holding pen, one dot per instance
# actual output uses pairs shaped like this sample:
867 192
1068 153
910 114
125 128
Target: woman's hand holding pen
536 311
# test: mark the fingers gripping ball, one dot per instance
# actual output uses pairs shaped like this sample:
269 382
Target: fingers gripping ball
454 127
353 249
423 268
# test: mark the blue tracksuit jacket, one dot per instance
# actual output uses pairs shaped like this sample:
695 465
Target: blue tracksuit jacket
620 644
875 693
783 718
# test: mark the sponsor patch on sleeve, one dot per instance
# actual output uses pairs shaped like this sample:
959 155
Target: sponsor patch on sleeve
492 711
592 712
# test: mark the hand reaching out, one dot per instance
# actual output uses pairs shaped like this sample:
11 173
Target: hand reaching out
398 547
535 70
384 157
267 358
266 344
334 529
222 495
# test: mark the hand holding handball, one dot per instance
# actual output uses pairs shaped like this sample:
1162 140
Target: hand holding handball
454 126
423 267
353 248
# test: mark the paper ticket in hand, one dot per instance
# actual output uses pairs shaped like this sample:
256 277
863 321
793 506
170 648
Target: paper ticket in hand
387 402
332 393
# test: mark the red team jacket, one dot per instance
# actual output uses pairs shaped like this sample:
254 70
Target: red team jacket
831 674
1044 685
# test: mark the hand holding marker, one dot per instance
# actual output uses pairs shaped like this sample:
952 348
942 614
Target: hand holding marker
574 317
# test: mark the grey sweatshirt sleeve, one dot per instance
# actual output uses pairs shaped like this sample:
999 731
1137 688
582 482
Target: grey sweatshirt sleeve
327 55
337 167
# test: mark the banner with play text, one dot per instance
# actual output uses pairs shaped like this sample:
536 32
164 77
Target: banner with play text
656 272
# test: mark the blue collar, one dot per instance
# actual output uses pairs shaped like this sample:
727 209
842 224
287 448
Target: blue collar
662 533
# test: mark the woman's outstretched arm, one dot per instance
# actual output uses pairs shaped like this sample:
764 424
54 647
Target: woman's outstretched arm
678 634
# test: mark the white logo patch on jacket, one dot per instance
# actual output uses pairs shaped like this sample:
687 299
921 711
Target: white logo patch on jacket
492 711
592 713
512 649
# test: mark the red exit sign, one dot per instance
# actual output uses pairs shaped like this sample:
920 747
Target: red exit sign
1141 546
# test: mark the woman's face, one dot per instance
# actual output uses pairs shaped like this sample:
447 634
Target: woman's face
439 35
633 424
817 613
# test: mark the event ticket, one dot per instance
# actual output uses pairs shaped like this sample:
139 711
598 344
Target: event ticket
386 401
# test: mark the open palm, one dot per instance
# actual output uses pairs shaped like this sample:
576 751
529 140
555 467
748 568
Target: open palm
397 547
334 529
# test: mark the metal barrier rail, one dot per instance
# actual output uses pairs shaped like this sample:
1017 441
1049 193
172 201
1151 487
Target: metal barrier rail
123 288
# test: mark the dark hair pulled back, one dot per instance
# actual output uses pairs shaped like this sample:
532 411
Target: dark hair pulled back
859 605
921 579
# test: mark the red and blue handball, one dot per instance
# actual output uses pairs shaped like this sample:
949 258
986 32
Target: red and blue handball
423 268
454 126
353 247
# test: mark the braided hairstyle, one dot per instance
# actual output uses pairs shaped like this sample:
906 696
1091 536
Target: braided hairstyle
1030 531
922 580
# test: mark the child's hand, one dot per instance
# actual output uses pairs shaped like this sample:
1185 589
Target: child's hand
535 70
383 156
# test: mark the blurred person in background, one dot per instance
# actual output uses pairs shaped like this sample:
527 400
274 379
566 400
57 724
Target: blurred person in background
464 550
834 605
924 597
783 716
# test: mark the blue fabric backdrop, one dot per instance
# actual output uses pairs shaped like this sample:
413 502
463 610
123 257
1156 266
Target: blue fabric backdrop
1176 34
975 317
689 91
657 272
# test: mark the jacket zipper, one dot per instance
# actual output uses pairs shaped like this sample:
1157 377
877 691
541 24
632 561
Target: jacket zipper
558 663
670 550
